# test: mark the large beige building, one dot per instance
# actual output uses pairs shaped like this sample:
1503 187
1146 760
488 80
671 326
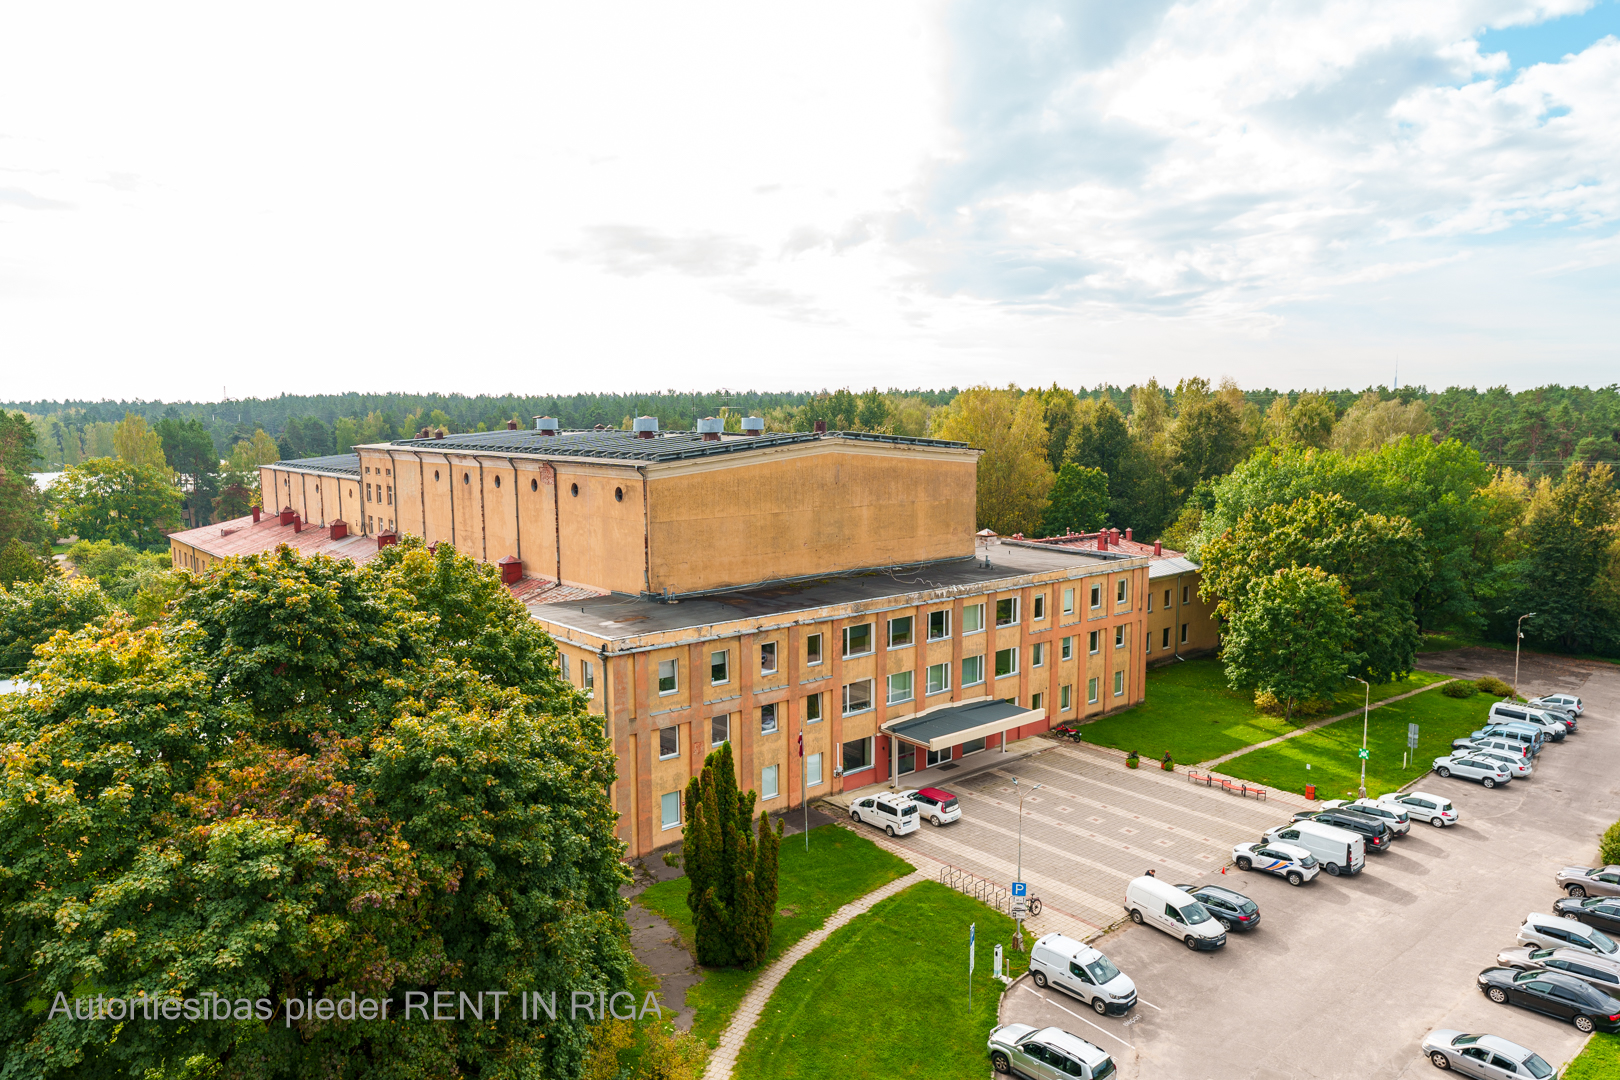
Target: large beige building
766 590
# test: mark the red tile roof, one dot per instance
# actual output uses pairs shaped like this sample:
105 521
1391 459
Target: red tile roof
1115 542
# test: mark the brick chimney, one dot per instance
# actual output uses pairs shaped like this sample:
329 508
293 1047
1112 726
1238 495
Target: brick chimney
1102 540
438 433
820 427
256 511
511 425
1113 537
1127 534
511 570
384 539
298 524
340 529
1158 547
286 515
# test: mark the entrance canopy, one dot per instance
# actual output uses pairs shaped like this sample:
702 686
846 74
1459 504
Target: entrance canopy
959 722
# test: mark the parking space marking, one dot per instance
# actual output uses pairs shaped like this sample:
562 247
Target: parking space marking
1077 1016
1075 830
1182 810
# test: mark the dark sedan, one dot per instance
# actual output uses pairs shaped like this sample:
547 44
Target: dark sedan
1602 912
1374 832
1232 909
1554 993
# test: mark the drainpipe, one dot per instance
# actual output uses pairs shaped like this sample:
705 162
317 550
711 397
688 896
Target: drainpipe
646 538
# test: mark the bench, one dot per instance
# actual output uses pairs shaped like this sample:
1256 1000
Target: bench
1240 788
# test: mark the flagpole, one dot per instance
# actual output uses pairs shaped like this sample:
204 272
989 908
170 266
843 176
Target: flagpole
804 791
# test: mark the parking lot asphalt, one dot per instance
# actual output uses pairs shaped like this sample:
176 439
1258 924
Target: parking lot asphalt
1345 976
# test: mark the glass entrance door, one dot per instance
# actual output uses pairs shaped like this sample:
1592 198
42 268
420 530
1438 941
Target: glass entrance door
937 756
908 757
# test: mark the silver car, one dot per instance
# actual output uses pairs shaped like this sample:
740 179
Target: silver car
1040 1053
1517 764
1567 702
1488 773
1434 809
1399 821
1483 1055
1590 880
1556 932
1601 971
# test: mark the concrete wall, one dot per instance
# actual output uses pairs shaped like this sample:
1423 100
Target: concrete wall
317 498
1176 604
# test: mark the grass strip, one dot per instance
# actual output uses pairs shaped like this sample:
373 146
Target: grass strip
1600 1060
850 1008
840 867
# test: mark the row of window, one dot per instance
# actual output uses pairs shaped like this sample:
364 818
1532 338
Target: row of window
857 755
379 495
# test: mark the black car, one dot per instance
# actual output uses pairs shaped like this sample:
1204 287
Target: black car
1231 909
1553 993
1602 912
1376 835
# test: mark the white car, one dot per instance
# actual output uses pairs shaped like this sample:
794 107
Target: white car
1399 821
1488 773
1568 701
1517 764
1483 1055
1435 809
1287 861
936 804
1077 968
889 812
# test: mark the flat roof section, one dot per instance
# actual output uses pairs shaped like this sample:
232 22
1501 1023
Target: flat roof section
620 618
952 725
344 464
626 446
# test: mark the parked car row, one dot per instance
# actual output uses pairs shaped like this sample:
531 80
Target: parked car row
1563 965
900 812
1505 749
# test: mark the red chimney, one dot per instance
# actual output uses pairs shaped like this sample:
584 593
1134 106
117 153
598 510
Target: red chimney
340 529
256 510
298 523
821 427
384 539
511 425
1102 540
1113 537
286 515
511 570
1127 534
1158 547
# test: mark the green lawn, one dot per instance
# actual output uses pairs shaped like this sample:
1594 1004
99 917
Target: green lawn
886 995
1331 751
1599 1061
840 867
1192 713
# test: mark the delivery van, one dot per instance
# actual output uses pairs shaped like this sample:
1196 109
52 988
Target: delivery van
1340 851
1158 904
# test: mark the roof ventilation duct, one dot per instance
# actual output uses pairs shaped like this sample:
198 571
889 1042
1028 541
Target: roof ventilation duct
546 425
645 427
710 428
753 425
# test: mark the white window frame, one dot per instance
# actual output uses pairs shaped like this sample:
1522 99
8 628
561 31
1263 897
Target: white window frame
1184 633
664 805
1037 700
815 708
911 631
947 624
675 729
1094 643
724 656
1065 697
590 674
674 677
971 614
908 693
722 719
813 771
819 653
930 687
1091 690
1012 619
769 786
871 697
1037 610
774 721
1037 654
1150 601
1068 601
1185 592
1122 591
1119 684
871 756
1066 652
767 656
1119 636
1013 668
871 640
1096 595
979 662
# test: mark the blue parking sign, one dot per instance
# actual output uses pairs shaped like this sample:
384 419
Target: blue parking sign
1019 888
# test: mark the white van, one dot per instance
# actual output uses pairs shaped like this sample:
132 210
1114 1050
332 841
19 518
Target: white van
1340 851
1161 905
1074 966
888 811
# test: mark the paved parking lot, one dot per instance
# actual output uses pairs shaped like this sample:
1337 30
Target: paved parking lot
1346 976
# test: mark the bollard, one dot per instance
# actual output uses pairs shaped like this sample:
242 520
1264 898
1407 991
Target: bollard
998 961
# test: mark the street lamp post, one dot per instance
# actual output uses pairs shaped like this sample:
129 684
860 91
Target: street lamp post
1365 709
1021 794
1518 637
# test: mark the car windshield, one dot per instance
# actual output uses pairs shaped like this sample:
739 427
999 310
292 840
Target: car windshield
1538 1068
1195 914
1106 1069
1465 1040
1602 941
1308 861
1102 970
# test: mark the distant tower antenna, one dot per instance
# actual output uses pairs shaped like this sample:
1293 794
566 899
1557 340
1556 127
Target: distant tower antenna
1397 373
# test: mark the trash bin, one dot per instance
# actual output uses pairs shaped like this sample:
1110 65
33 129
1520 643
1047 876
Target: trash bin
1310 791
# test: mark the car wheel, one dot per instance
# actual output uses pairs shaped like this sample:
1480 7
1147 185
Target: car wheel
1038 978
1099 1006
1437 822
1584 1025
1497 994
1136 917
889 829
999 1062
1332 868
1034 907
1244 864
1442 771
1440 1061
855 817
1577 891
1191 942
937 822
1488 782
1295 878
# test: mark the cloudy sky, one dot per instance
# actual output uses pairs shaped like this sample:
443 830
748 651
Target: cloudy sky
208 199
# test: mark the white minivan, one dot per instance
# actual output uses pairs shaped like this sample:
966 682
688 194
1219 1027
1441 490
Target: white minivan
1161 905
1075 967
889 812
1340 851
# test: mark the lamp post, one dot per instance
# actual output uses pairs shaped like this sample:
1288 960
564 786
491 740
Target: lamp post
1021 794
1518 637
1365 709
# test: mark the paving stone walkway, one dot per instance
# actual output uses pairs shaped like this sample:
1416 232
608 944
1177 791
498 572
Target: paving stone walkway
1314 724
748 1012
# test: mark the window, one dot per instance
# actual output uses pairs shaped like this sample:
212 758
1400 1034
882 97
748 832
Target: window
812 709
1039 606
719 667
590 674
858 755
934 757
1166 644
972 618
719 729
812 770
857 696
669 743
1036 700
1065 697
939 678
1119 684
1119 637
1037 654
391 493
1184 633
1121 590
767 719
767 658
812 649
1149 646
1068 601
1006 662
905 755
1150 601
900 631
857 640
368 493
1091 691
566 673
1184 591
972 670
1007 611
939 625
1091 643
972 746
1096 596
1167 599
1066 652
666 676
670 803
767 782
899 687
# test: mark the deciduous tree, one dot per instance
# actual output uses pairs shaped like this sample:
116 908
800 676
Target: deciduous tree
1014 476
110 499
1079 501
1292 636
31 612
